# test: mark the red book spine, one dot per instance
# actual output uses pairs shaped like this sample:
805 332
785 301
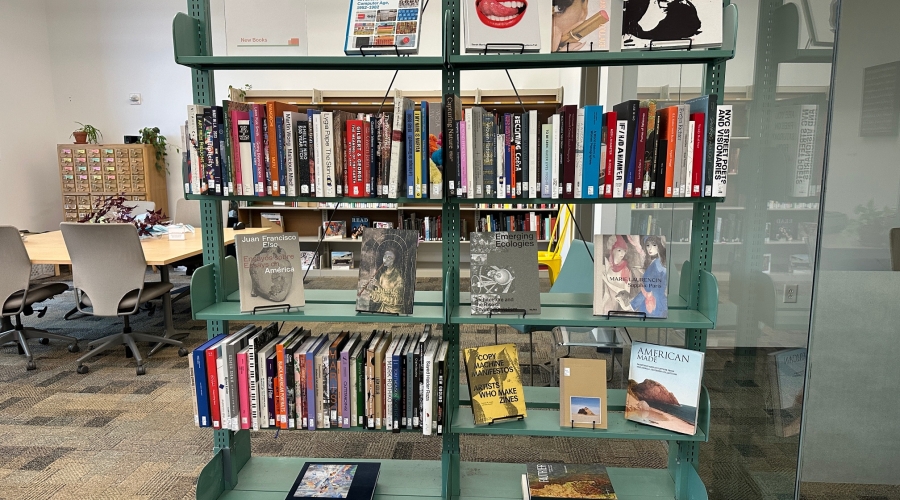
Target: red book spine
280 403
355 158
611 119
258 151
212 375
699 120
367 158
643 116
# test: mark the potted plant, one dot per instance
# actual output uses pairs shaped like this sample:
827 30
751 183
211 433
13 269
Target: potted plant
87 134
152 136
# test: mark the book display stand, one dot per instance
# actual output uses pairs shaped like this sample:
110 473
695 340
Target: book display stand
232 473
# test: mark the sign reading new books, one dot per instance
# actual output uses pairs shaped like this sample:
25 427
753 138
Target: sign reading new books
387 271
495 382
269 270
505 272
664 387
630 275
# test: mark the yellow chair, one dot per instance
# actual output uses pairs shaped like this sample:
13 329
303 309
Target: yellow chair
552 257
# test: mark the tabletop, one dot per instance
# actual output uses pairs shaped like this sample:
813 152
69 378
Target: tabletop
50 248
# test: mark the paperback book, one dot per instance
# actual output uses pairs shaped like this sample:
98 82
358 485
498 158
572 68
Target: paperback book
335 229
342 261
495 382
502 25
664 387
672 24
505 272
350 480
580 25
558 481
269 273
383 27
357 226
387 271
631 275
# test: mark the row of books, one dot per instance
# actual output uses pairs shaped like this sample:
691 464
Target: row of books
727 228
257 379
543 225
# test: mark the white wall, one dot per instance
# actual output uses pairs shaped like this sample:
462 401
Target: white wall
31 195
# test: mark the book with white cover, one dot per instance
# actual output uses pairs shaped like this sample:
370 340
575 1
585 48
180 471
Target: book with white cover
672 24
383 27
664 387
581 25
502 25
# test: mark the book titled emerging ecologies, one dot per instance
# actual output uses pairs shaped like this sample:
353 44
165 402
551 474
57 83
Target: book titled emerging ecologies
269 272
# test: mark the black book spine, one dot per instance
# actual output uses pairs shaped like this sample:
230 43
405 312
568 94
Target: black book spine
451 146
302 151
710 159
516 146
489 155
659 172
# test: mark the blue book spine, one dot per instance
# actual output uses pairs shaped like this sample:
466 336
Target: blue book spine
279 138
593 130
424 136
200 380
410 153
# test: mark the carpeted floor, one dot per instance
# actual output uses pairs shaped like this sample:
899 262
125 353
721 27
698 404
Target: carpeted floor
111 434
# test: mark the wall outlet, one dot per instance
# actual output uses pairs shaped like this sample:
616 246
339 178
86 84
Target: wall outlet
790 293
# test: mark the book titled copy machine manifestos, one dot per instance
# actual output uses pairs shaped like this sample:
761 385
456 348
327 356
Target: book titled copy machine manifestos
505 272
269 270
664 387
630 275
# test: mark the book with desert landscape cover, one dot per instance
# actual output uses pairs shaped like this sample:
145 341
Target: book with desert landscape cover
548 481
582 394
664 387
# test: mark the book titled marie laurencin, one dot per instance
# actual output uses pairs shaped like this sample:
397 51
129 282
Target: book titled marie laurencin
269 273
630 275
504 272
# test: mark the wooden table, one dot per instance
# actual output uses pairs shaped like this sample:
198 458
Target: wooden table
50 248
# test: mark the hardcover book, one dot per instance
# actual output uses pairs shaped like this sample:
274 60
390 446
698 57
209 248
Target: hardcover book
664 387
504 272
557 481
632 276
342 260
582 394
350 480
308 260
335 229
357 226
495 382
502 25
387 271
580 25
267 274
383 27
786 372
672 24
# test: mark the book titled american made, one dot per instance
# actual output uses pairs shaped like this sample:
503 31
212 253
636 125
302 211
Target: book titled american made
664 387
631 275
504 272
383 26
350 480
674 24
502 25
495 382
552 481
270 271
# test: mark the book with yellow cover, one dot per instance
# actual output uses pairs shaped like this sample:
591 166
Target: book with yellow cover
495 382
582 394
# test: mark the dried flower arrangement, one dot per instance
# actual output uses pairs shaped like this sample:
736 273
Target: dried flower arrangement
114 209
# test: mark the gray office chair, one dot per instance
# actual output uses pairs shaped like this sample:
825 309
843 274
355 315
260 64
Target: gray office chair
108 269
17 295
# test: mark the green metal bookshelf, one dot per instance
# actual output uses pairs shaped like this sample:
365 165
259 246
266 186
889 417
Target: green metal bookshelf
233 473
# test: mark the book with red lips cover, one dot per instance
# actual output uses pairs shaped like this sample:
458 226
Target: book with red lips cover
502 25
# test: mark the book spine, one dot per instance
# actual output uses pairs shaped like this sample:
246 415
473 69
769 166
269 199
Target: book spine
193 138
224 389
360 388
709 147
259 165
366 133
317 138
417 386
209 150
409 387
490 161
302 165
328 156
671 151
345 390
621 144
650 150
450 145
570 117
282 165
641 138
502 158
427 384
441 390
681 150
263 412
201 388
396 388
194 392
699 141
515 144
388 398
593 136
271 382
478 142
417 153
313 150
689 162
355 158
212 372
555 155
289 138
397 149
610 164
233 152
339 145
280 403
216 152
323 419
410 147
632 114
464 154
334 357
290 391
469 153
534 137
310 400
370 389
546 149
374 155
386 134
723 145
243 380
579 154
505 151
423 147
272 150
300 389
662 148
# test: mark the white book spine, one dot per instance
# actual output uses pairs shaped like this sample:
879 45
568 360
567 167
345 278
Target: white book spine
320 179
689 164
290 168
224 395
806 147
470 154
193 138
253 394
579 152
619 171
246 154
533 138
388 372
682 147
723 145
194 391
328 158
397 149
262 391
353 399
427 382
554 157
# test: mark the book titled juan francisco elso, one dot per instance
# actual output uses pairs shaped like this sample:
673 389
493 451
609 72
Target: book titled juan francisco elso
269 270
350 480
546 481
664 387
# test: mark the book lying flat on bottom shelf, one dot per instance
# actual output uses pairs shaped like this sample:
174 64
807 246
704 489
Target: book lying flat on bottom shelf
495 382
505 272
582 393
350 480
387 271
267 274
558 481
664 387
630 275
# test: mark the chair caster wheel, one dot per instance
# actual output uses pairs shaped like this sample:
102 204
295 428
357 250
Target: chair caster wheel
30 366
43 341
141 370
82 369
74 348
182 352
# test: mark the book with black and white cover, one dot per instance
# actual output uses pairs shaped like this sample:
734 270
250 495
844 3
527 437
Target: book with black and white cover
268 270
387 271
383 27
631 275
723 126
504 272
582 25
501 25
664 387
671 25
